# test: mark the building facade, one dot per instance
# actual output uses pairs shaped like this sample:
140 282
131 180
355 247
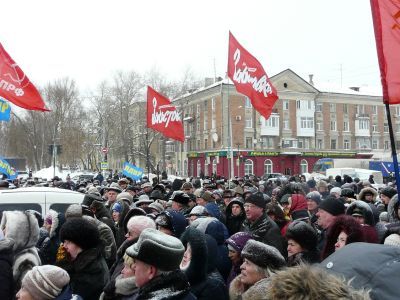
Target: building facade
308 123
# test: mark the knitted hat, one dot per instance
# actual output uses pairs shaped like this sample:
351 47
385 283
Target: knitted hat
157 249
337 190
314 196
263 255
347 192
81 232
384 216
393 240
257 199
333 206
117 207
302 233
239 240
388 191
45 282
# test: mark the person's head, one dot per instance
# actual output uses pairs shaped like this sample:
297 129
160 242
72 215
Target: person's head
143 201
254 206
180 200
154 253
78 235
386 194
341 240
368 194
123 183
322 186
147 187
43 283
313 200
116 211
171 222
136 225
286 202
197 212
336 191
259 261
301 237
328 210
203 197
235 245
187 187
128 270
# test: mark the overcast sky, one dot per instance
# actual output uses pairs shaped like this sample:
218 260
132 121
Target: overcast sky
89 40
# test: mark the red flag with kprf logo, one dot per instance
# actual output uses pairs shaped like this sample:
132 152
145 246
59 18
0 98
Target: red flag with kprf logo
250 79
163 117
15 85
386 17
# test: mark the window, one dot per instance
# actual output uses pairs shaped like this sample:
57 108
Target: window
267 142
247 103
272 121
333 144
300 143
346 144
374 128
268 167
206 167
374 109
285 104
346 126
286 124
198 168
345 108
185 168
375 144
363 124
385 127
333 125
397 110
360 109
214 166
249 121
318 107
332 107
248 167
213 104
303 166
213 122
386 145
198 109
319 144
307 122
249 143
205 144
319 126
298 104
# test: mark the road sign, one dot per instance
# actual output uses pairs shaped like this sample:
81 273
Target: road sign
104 165
104 150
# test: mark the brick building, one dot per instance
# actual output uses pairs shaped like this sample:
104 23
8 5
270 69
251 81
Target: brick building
308 122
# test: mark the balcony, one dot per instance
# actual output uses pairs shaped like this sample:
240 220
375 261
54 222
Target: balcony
270 127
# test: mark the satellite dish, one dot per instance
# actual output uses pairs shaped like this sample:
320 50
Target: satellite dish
215 137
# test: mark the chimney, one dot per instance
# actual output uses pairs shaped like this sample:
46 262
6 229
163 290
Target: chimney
355 88
310 80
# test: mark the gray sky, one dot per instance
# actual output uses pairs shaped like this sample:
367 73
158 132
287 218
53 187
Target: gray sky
89 40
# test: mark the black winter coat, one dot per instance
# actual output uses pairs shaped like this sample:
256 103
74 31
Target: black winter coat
88 274
266 231
6 275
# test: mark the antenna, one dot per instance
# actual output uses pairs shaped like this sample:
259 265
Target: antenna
215 71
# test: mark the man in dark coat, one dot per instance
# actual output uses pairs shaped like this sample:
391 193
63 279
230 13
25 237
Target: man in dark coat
83 259
156 270
262 227
235 215
6 274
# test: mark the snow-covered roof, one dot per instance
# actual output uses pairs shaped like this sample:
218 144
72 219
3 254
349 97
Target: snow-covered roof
366 90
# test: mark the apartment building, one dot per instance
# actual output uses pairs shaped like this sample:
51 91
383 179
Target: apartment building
308 122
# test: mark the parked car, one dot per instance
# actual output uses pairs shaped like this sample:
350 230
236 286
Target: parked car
41 199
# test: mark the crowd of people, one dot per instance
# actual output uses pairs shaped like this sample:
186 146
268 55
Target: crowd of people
207 238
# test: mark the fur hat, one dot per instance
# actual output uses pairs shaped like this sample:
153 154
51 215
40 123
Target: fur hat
45 282
180 197
157 249
81 232
239 240
333 206
257 199
347 192
263 255
206 195
89 198
388 191
303 234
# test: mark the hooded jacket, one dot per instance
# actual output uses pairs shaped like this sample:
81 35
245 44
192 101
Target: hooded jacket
361 196
23 229
234 223
119 227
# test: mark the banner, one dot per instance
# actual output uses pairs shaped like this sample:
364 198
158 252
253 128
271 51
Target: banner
7 170
5 110
132 171
386 18
15 85
250 79
163 117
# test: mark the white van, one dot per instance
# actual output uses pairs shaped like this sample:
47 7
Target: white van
40 199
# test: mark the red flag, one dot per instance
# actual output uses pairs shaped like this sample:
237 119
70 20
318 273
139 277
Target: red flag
386 17
15 85
162 116
250 79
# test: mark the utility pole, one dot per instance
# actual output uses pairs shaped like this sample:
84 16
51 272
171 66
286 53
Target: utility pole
238 160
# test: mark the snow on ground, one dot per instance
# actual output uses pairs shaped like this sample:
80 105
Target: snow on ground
48 173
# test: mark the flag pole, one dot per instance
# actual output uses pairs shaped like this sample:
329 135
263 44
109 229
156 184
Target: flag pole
393 145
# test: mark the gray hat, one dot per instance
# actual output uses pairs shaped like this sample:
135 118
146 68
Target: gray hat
114 187
143 199
157 206
157 249
263 255
45 282
146 184
125 196
198 211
